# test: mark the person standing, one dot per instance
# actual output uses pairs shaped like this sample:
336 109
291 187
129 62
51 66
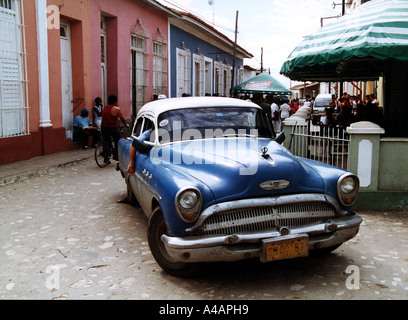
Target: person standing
284 112
258 99
111 114
275 113
97 112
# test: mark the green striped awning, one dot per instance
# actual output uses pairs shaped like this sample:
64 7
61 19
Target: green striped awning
377 29
263 83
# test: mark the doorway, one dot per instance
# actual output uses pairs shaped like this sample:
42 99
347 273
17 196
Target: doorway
66 79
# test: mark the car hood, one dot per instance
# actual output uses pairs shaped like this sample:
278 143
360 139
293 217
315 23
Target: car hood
237 168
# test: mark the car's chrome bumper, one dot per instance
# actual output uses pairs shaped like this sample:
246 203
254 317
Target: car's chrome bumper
244 246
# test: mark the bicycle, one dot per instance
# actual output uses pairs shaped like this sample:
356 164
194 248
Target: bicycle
103 152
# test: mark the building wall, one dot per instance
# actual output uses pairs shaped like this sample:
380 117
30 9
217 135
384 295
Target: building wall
78 14
393 161
84 19
191 42
121 17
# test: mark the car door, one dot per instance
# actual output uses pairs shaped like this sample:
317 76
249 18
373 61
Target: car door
134 179
143 171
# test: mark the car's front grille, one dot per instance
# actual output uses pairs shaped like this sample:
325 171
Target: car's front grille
267 218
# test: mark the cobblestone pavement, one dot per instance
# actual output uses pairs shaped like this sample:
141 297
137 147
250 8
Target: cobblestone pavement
67 235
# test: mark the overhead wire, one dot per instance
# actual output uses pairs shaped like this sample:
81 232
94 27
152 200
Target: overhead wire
185 9
198 15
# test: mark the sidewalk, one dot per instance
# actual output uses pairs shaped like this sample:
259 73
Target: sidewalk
21 170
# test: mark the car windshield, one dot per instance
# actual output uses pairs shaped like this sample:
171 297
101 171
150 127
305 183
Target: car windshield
322 102
212 122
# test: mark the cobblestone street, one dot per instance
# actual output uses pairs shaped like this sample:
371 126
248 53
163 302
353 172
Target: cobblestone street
67 235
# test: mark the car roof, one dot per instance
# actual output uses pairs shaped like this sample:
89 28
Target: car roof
156 107
324 95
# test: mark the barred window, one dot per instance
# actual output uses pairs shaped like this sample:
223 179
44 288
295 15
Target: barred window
159 68
7 4
183 72
199 75
222 78
13 84
139 72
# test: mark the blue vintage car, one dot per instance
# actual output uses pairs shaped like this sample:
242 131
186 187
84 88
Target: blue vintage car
216 186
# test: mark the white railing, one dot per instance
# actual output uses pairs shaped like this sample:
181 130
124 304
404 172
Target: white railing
14 116
321 143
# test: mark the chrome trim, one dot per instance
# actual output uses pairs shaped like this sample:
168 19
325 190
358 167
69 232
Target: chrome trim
148 186
197 207
262 202
243 246
274 184
339 193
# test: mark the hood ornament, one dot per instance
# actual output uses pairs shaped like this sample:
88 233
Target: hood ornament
266 156
274 184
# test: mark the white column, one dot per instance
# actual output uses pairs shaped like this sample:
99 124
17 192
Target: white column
43 77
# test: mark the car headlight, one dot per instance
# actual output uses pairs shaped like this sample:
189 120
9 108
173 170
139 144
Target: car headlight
347 188
188 204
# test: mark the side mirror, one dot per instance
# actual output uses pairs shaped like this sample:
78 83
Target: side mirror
280 138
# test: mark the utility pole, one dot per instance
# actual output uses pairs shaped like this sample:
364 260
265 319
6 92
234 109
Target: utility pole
343 12
261 59
235 54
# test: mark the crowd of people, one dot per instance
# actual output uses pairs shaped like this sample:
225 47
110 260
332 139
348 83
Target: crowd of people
349 109
341 111
105 124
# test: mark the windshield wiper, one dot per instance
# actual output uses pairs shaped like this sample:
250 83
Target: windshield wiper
226 135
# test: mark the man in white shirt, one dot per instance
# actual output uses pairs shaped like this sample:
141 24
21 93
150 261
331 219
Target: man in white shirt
285 112
307 102
275 113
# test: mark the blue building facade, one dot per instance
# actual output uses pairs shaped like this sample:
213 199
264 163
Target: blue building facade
201 59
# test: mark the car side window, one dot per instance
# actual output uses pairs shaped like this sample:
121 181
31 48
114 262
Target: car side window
138 127
147 125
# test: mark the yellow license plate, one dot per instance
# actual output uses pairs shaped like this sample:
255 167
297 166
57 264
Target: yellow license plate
285 247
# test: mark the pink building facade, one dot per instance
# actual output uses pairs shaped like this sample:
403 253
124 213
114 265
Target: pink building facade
57 56
130 51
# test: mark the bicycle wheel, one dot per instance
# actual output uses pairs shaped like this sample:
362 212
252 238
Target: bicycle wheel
102 156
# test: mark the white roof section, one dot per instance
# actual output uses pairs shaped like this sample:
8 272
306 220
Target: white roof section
157 107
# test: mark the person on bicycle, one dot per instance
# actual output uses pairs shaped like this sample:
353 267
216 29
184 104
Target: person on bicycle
111 114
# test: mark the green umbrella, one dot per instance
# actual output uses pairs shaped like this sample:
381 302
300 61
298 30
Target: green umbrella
377 30
262 83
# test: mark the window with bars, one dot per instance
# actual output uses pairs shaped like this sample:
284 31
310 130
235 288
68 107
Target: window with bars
199 75
139 72
159 68
13 84
222 79
183 72
7 4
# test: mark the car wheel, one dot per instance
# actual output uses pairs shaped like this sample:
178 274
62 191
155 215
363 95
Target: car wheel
156 228
324 251
131 197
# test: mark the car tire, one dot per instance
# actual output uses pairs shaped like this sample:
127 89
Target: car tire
324 251
131 197
156 228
